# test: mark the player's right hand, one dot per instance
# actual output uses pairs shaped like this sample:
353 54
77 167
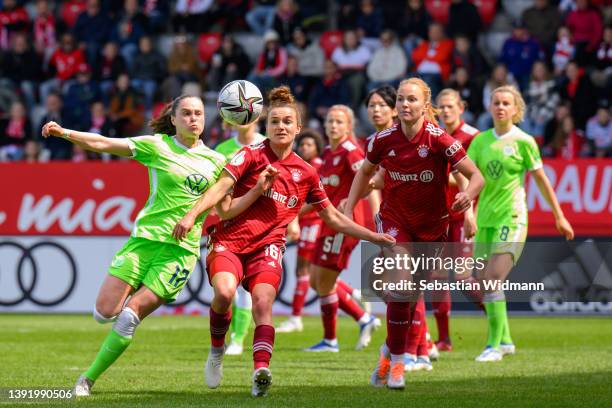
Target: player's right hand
182 228
565 228
469 227
52 129
384 239
267 178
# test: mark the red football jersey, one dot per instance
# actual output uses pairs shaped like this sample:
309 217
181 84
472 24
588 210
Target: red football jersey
465 134
339 168
66 64
337 172
416 177
265 222
312 217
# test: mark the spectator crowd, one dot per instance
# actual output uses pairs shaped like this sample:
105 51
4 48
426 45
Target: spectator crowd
109 66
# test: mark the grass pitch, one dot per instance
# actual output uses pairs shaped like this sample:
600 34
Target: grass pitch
560 361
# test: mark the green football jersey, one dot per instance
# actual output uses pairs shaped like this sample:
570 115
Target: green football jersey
229 147
178 176
503 161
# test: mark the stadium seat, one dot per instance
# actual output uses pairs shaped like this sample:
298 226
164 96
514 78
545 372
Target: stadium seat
486 9
164 44
329 41
208 44
251 43
515 8
438 9
493 41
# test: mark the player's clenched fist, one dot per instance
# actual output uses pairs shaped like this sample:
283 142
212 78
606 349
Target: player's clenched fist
52 129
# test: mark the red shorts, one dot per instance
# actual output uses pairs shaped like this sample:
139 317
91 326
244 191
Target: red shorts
333 251
307 243
400 233
261 266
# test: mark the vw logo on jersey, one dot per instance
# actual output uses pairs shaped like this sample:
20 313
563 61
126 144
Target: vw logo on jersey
423 151
195 184
495 169
426 176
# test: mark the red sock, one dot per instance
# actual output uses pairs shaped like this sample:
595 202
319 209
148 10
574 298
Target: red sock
329 313
422 349
342 284
442 307
299 296
263 344
219 324
416 326
347 303
398 322
475 296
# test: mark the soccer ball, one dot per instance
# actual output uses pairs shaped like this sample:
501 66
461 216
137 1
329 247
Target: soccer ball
240 102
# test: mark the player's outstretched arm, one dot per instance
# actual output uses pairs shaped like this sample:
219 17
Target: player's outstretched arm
463 199
230 207
341 223
562 224
360 186
210 197
89 141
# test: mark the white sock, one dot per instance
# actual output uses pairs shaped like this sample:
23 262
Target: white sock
332 342
364 319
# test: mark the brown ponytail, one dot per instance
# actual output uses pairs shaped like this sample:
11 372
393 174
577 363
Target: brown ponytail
163 123
281 97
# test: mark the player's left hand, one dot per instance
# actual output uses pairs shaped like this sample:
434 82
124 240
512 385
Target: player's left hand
182 228
462 202
565 228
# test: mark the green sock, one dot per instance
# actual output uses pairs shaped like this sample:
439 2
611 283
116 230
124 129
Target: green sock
496 312
233 321
112 347
242 317
506 338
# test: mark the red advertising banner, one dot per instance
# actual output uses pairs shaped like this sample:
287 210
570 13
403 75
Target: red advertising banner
92 198
104 198
583 188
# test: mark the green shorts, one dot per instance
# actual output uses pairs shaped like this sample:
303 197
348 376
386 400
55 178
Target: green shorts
163 268
503 239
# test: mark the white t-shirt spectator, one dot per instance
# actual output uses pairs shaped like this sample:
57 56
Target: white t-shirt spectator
387 64
351 59
601 135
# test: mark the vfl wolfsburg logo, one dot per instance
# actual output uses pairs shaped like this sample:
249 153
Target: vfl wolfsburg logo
495 169
196 184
